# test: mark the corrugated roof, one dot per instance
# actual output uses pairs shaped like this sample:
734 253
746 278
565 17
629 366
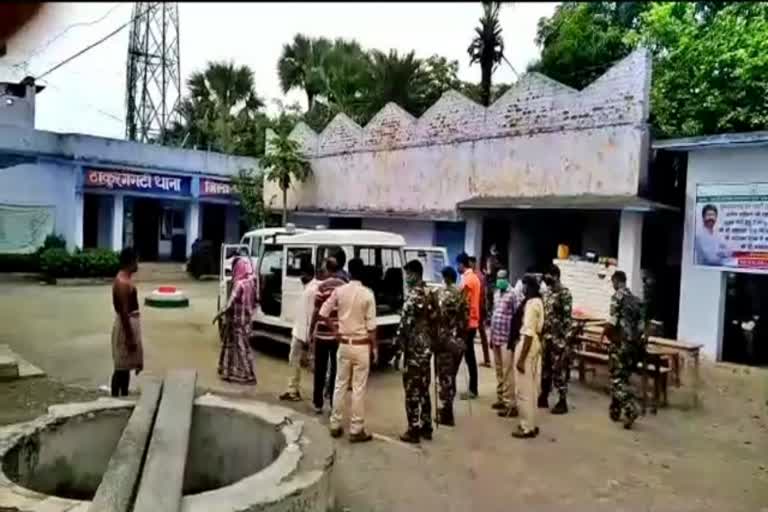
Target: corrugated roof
713 141
580 202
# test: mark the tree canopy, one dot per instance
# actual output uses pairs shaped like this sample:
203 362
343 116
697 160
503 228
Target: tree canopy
710 58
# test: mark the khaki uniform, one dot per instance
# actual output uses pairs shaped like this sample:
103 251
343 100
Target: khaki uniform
356 308
527 384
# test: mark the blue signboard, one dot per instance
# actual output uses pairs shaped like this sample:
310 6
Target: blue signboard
150 183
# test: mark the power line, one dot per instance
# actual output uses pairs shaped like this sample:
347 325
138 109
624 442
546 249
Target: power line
70 27
86 104
118 29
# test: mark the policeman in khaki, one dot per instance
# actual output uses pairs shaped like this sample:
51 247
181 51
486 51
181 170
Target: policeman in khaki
356 332
528 358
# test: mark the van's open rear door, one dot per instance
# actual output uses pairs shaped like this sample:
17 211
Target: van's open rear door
433 259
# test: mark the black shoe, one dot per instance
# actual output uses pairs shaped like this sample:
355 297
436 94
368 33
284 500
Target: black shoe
336 432
410 436
561 407
498 406
629 419
543 402
360 437
520 434
614 415
426 432
510 412
445 417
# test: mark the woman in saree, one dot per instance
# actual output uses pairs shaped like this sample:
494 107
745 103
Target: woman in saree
235 361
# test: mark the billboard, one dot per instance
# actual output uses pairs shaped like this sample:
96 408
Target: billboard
731 226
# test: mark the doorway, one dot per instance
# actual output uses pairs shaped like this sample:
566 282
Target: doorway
90 221
146 228
214 225
745 322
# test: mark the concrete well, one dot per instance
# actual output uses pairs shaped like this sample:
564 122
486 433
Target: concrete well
243 456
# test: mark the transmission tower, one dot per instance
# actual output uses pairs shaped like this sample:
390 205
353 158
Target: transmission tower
153 78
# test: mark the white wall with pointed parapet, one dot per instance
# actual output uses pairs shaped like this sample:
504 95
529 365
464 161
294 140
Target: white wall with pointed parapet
540 138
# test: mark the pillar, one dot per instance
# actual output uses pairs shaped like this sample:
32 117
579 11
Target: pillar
77 232
192 224
631 249
118 216
473 235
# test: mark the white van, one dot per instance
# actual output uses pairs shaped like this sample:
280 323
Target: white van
383 254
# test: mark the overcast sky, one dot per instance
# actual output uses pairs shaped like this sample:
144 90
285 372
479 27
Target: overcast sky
87 95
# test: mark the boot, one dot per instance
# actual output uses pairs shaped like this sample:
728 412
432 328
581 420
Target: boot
411 436
561 407
543 401
445 417
426 432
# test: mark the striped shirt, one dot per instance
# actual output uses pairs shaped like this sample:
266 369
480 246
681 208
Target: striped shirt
322 330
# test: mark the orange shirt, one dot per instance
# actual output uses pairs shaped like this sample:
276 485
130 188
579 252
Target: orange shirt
470 285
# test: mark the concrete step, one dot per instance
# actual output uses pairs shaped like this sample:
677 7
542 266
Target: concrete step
25 369
162 479
9 368
119 482
168 273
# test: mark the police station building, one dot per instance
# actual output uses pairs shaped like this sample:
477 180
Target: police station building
99 192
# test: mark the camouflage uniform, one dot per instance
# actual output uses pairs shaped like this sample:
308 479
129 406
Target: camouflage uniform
416 335
452 326
626 315
558 304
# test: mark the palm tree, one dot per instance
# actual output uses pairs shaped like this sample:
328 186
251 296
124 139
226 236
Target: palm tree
301 66
395 78
284 163
487 47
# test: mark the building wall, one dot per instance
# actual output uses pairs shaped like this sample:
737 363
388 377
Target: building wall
702 290
43 184
459 149
416 233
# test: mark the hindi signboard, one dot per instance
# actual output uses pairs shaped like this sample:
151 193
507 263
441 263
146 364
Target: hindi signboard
216 188
138 182
731 226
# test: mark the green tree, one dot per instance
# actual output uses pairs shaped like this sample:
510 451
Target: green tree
710 71
249 185
284 163
440 75
711 68
487 47
221 111
395 78
301 66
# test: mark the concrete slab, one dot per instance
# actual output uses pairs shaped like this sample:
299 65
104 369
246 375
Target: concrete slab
162 479
122 475
26 370
9 368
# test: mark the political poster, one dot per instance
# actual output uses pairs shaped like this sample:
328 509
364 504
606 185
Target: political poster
731 223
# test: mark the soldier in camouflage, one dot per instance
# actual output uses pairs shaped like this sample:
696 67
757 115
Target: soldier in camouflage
452 327
416 336
624 330
558 304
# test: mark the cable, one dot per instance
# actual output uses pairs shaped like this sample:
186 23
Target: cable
112 117
118 29
44 47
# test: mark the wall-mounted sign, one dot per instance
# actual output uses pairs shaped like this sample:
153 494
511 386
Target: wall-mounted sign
216 188
732 226
138 182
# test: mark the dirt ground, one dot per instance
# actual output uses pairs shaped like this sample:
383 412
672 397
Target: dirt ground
712 458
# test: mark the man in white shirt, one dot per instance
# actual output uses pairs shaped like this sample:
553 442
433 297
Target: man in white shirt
301 335
709 248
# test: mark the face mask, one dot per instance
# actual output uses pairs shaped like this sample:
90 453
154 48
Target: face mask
411 281
502 284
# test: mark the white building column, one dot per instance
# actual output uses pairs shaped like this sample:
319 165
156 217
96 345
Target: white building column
192 224
118 216
631 249
473 235
77 232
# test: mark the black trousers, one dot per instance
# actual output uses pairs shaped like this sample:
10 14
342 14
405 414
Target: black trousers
325 356
121 379
471 360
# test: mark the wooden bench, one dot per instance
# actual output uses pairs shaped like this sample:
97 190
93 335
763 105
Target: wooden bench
652 367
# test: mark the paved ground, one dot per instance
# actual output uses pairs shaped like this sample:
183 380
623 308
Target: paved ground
714 458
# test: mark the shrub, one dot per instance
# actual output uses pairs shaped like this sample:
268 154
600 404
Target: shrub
53 242
58 263
20 262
